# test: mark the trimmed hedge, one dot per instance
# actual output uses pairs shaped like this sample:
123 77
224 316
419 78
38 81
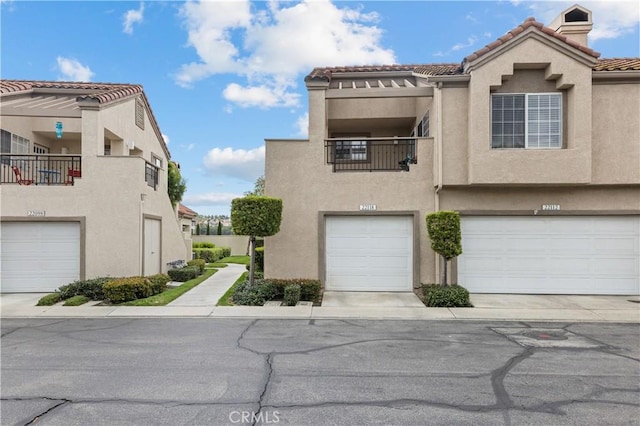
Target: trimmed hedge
256 216
291 294
210 255
453 296
260 259
310 290
126 289
49 299
253 295
200 263
159 282
226 252
93 288
184 274
203 244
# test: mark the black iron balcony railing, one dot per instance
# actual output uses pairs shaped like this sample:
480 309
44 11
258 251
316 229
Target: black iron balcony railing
40 169
151 175
371 155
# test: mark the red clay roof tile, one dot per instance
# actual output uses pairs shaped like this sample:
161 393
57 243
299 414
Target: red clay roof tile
530 22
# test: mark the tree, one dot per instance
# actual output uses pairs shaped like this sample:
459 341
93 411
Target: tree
176 185
197 228
258 188
255 217
219 228
446 240
208 228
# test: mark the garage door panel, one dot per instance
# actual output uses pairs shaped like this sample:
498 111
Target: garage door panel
55 245
555 255
369 253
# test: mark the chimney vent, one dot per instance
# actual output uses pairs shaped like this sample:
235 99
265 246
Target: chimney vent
575 23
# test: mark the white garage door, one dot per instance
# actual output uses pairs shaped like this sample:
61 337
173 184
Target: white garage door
39 256
369 253
550 255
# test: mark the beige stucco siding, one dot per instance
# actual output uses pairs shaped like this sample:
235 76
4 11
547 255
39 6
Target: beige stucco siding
616 134
294 251
571 165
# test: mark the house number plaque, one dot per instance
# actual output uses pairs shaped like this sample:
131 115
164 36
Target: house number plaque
37 213
368 207
551 207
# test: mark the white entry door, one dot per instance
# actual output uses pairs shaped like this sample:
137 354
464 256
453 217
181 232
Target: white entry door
369 253
551 255
152 232
38 257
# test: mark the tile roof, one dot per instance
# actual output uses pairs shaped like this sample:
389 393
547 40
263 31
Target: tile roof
618 64
101 92
186 211
613 64
325 73
528 23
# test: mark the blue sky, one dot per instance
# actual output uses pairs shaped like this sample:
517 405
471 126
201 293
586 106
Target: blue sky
221 76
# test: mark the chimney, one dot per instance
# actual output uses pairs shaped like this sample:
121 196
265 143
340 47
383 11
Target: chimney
574 23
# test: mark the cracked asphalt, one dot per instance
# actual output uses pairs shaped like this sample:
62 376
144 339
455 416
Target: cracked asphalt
317 372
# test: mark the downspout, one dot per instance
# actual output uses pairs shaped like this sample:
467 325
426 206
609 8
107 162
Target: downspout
439 161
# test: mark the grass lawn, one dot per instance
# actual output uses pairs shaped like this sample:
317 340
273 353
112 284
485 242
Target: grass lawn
243 260
173 293
224 300
216 265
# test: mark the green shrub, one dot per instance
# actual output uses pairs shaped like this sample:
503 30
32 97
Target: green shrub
76 300
310 290
126 289
451 296
256 216
200 263
260 259
291 294
253 295
159 282
49 299
210 255
184 274
226 252
203 244
258 275
90 288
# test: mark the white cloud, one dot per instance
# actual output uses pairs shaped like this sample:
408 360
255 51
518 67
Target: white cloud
302 124
259 96
131 17
470 42
73 70
238 163
611 19
166 139
210 199
271 47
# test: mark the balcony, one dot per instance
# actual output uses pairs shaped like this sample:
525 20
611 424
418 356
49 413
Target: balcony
371 154
40 169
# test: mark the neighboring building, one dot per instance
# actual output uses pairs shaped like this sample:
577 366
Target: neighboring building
187 219
83 185
533 139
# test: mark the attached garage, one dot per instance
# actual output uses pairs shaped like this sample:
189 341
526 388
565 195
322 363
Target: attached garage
369 253
550 255
38 257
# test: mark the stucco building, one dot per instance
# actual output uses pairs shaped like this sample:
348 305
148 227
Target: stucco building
83 185
534 139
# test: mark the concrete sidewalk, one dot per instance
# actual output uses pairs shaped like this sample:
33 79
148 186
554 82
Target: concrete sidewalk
201 302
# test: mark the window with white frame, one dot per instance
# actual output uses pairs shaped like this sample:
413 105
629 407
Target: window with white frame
351 150
531 120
